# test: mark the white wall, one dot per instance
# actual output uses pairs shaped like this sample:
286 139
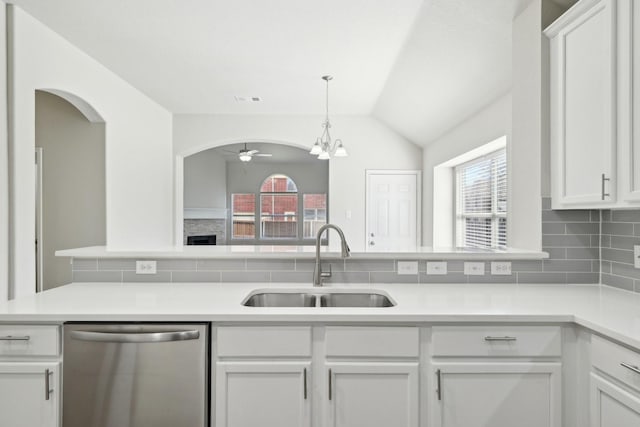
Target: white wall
138 144
371 145
73 209
205 181
487 125
519 116
524 230
4 165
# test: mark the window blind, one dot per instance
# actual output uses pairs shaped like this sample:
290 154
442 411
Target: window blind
481 186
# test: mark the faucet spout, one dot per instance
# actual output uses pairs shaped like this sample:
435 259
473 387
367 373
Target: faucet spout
318 274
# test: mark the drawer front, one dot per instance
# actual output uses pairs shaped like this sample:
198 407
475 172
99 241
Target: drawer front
497 341
371 341
610 357
29 340
264 341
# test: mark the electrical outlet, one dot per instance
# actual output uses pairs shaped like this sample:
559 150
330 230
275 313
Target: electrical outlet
474 268
501 268
437 268
408 267
636 256
145 267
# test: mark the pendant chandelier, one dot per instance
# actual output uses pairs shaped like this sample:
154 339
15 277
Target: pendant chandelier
324 148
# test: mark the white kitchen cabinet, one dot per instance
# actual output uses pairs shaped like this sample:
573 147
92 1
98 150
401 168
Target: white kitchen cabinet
269 393
612 406
29 394
583 105
372 394
629 101
496 395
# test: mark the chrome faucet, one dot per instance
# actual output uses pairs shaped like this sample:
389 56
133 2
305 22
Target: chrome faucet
318 274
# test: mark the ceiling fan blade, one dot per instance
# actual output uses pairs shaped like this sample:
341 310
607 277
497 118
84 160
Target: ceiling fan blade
252 152
263 155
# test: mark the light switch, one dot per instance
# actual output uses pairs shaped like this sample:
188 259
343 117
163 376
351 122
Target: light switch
439 267
474 268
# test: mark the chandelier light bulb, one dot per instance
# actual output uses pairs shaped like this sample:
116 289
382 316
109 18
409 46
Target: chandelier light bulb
340 150
324 155
316 149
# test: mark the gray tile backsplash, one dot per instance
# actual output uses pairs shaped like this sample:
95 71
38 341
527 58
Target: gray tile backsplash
580 244
619 235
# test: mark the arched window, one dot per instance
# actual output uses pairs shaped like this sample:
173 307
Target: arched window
278 208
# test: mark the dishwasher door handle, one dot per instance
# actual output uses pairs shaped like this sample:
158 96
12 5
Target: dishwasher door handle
135 337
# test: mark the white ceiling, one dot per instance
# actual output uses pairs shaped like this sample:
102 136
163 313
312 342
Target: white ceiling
194 56
455 62
421 66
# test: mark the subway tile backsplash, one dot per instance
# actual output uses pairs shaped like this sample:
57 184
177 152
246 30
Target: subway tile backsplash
584 246
571 238
619 234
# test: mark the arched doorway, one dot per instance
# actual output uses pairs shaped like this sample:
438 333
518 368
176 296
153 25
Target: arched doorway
71 197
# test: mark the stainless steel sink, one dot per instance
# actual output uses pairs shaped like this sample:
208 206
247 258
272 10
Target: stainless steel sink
317 298
281 299
360 299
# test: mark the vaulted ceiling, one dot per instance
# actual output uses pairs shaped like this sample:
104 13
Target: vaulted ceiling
420 66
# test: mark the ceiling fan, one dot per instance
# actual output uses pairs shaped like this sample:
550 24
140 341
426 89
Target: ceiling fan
245 155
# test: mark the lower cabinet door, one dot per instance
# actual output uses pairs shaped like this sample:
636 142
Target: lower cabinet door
611 406
29 394
372 395
496 395
264 394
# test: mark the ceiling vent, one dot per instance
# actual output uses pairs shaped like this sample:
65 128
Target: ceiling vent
248 99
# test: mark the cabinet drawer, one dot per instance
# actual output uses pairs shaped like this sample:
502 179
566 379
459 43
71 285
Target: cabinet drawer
353 341
609 358
29 340
497 341
264 341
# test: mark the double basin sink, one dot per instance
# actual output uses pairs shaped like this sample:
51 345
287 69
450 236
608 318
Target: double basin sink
317 298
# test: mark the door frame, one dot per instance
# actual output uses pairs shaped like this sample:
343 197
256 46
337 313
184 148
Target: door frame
39 223
418 175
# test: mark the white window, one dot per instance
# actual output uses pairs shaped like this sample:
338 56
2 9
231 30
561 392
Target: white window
481 205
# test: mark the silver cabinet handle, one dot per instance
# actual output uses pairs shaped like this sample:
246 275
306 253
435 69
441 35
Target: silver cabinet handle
47 386
604 179
505 338
330 384
305 383
631 367
135 337
16 338
439 384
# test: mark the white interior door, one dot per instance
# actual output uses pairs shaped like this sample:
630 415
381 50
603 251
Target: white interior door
393 210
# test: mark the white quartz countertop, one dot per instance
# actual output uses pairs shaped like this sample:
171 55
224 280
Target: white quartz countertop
609 311
276 251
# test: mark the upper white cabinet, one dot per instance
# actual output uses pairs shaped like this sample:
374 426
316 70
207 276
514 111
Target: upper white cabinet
583 105
595 105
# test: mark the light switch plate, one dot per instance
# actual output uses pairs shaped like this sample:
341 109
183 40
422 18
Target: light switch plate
437 268
474 268
145 267
408 267
499 268
636 256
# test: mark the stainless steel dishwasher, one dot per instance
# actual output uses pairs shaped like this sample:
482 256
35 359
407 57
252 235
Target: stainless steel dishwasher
135 375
